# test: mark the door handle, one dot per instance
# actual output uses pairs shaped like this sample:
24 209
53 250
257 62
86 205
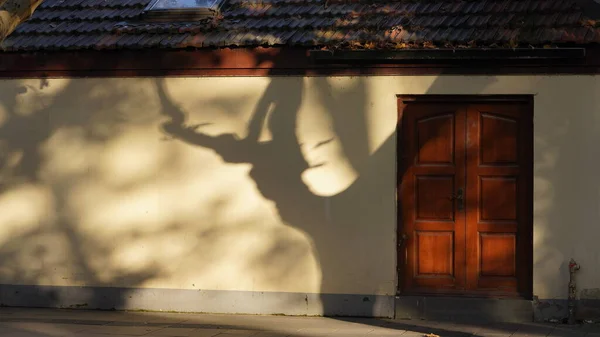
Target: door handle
459 197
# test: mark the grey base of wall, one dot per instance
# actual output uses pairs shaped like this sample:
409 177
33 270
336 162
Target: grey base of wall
492 310
463 309
275 303
206 301
558 309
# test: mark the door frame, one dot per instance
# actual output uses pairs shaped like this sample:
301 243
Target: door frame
402 101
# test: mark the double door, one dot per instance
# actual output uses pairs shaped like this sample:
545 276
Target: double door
465 198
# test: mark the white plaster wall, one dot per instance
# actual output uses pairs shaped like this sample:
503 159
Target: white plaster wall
102 184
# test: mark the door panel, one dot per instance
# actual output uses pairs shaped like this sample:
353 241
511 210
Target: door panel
435 138
478 242
497 220
434 158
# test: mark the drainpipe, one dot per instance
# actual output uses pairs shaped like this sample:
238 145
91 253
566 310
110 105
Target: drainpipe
573 267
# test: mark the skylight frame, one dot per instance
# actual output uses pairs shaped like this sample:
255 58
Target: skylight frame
190 13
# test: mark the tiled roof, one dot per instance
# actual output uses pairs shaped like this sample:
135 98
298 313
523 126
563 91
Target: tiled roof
118 24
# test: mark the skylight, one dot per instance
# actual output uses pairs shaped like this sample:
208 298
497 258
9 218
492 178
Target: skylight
182 10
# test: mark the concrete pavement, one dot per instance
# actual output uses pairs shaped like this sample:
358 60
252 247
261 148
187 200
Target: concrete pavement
20 322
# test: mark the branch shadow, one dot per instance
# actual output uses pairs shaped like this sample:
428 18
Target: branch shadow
278 166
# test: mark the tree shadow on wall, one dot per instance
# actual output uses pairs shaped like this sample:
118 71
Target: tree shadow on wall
343 226
566 211
56 247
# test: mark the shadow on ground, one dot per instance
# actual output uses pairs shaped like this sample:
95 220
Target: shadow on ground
49 322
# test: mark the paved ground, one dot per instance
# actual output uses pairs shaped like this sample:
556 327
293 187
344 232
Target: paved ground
16 322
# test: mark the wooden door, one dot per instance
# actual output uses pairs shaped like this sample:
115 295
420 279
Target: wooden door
465 198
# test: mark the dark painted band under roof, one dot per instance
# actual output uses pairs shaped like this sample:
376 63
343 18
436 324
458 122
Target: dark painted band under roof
348 24
262 62
444 55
